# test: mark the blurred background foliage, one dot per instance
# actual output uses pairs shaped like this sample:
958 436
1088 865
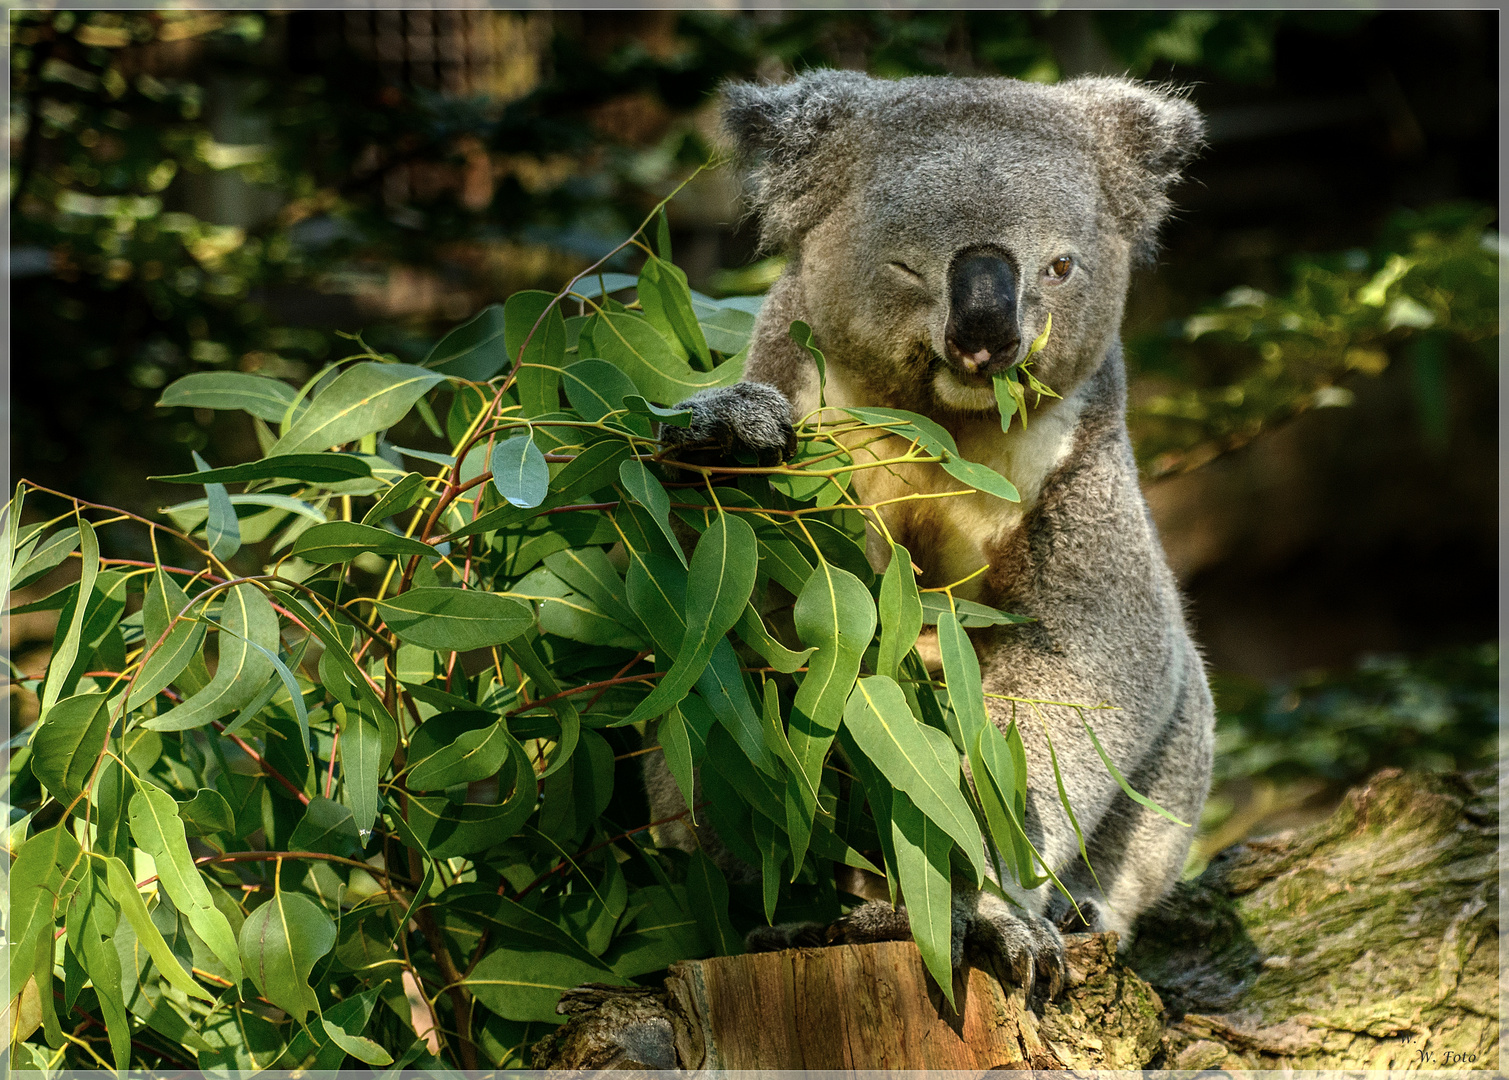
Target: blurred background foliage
202 190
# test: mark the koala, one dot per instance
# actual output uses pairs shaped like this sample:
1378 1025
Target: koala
932 225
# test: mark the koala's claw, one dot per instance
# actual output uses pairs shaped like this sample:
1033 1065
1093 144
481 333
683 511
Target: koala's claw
1017 947
745 418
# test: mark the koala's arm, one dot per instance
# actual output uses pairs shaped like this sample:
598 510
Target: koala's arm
754 416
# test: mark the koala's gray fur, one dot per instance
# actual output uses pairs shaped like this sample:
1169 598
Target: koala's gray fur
873 188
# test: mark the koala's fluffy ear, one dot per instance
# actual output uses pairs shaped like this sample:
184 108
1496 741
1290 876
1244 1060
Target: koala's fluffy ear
789 140
1143 136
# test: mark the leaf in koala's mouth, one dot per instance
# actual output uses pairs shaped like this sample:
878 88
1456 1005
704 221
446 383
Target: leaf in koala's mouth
1010 397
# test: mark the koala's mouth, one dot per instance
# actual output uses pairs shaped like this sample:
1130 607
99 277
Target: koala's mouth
973 380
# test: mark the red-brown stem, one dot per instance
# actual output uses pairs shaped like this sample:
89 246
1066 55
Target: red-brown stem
620 674
330 773
584 688
267 769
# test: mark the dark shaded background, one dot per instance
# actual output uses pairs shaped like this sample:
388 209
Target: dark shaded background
200 190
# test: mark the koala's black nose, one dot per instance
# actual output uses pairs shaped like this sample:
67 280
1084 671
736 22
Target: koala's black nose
982 334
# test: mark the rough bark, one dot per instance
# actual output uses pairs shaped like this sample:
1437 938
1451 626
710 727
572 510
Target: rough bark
1368 941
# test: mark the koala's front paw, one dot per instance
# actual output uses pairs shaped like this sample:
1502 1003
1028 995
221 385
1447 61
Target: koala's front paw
785 936
1019 948
874 920
745 418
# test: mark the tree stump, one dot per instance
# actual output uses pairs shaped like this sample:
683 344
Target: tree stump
1368 941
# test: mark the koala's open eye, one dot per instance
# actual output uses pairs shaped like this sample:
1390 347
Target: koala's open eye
1059 268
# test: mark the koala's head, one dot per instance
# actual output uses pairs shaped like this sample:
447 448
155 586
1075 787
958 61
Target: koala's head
935 222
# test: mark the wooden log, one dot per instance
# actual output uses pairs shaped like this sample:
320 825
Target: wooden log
1368 941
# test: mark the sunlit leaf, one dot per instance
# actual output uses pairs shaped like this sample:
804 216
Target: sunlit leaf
65 748
362 399
123 890
61 664
922 866
637 348
156 826
280 943
915 758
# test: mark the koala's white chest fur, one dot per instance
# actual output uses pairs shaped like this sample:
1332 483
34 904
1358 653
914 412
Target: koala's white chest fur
951 536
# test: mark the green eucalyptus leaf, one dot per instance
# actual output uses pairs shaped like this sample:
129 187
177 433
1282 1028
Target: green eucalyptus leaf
970 614
361 756
60 667
456 748
280 943
667 304
474 350
982 478
596 388
675 417
66 746
313 468
836 615
164 601
539 376
362 399
914 758
342 541
445 829
123 891
635 347
404 493
900 613
207 813
92 922
648 492
263 397
156 826
244 665
592 469
47 554
528 985
326 826
519 471
719 584
707 892
454 619
922 866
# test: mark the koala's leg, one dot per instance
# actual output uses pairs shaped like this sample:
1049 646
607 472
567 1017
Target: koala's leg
747 417
1138 854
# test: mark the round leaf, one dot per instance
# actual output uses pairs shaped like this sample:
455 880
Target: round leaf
520 473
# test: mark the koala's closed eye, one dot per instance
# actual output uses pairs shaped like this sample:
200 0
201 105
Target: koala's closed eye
905 271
